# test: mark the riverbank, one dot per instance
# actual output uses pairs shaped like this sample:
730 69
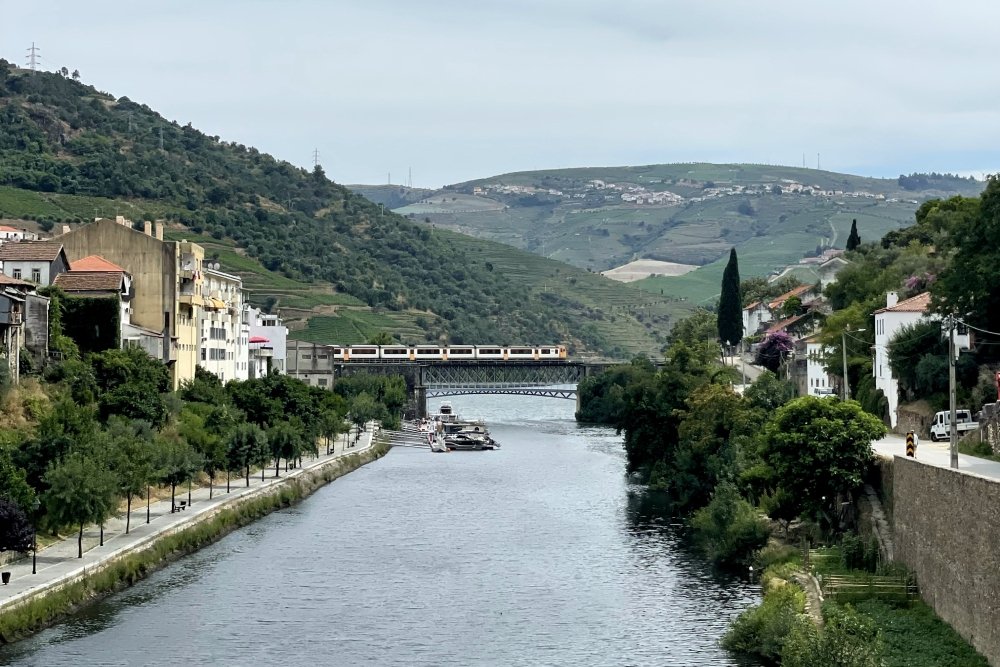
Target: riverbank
64 583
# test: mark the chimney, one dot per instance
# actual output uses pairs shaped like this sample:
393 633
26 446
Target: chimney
891 299
65 229
159 231
147 228
120 219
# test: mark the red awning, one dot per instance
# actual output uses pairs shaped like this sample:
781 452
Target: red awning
259 339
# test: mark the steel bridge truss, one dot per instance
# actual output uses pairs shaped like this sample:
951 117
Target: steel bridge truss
502 378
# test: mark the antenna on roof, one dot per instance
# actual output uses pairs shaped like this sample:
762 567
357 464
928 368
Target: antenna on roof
33 57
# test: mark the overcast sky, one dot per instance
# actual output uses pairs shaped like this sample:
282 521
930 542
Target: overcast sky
463 89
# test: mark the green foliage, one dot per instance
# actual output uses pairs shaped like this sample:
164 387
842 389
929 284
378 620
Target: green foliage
729 530
848 639
768 392
915 637
764 629
14 482
858 554
819 447
81 490
730 317
94 324
602 397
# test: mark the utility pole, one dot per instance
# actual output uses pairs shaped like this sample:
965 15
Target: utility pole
843 348
953 417
315 157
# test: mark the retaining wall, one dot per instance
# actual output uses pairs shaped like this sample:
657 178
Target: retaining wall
945 528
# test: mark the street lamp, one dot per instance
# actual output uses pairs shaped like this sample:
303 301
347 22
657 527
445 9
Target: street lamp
843 348
34 536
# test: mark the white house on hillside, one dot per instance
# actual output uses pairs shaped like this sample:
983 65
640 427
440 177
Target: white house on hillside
222 333
810 371
888 322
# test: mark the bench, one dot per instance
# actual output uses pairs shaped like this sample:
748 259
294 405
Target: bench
178 506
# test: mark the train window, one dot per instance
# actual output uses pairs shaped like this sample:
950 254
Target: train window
520 350
364 350
489 350
394 350
460 350
428 351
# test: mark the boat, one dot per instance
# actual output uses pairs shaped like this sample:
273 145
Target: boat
459 434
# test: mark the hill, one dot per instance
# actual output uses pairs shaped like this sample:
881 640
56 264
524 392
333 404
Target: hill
603 218
341 266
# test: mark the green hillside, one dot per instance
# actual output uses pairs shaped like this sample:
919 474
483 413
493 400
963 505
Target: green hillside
601 218
336 264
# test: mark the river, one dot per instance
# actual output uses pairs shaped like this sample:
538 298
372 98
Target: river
540 553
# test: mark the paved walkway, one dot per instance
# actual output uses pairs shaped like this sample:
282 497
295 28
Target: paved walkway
59 560
937 454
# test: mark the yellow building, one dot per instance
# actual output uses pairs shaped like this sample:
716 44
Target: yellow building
167 279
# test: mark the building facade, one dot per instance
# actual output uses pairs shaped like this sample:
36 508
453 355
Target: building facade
223 341
167 277
36 261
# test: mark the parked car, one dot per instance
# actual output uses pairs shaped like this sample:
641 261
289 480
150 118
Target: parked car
941 426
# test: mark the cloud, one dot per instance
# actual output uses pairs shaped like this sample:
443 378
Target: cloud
459 90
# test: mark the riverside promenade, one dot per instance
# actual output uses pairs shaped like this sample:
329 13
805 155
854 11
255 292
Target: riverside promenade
58 563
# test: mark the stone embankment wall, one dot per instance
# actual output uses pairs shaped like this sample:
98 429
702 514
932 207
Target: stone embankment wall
945 530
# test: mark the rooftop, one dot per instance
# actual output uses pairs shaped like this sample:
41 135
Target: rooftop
89 281
40 251
798 291
94 263
916 304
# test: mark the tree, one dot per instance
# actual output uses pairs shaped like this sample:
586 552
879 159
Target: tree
330 425
16 531
76 75
285 442
819 447
773 350
80 491
768 392
132 460
854 239
381 338
730 319
14 482
791 307
206 441
967 287
363 410
729 529
177 462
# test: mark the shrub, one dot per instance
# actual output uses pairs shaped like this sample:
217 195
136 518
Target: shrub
848 639
729 530
763 630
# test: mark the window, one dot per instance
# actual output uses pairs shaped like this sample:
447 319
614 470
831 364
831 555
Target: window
203 353
322 382
17 274
36 275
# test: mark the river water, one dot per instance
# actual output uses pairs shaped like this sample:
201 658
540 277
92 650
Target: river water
540 553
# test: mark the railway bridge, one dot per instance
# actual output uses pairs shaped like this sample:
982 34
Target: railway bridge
435 379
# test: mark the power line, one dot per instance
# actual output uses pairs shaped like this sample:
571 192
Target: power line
985 331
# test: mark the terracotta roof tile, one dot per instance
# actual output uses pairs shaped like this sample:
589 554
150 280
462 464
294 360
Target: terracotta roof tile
44 251
14 282
798 291
94 263
916 304
89 281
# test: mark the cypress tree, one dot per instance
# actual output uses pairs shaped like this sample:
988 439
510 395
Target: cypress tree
854 240
730 303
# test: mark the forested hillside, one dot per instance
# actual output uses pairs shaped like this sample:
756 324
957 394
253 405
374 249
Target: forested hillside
69 152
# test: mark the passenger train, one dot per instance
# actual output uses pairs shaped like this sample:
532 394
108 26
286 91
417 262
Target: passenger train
448 353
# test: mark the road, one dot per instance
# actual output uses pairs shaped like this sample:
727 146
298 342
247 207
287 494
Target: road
937 454
59 561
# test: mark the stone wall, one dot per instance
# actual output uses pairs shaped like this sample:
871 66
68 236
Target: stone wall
945 530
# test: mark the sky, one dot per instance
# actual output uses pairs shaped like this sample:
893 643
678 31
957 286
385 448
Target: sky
457 89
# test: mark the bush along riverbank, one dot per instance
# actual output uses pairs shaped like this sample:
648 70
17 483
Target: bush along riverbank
49 606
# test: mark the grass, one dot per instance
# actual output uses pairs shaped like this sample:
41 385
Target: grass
43 610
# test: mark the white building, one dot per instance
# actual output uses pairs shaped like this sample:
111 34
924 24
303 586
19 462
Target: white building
811 375
8 233
36 261
267 342
888 322
222 332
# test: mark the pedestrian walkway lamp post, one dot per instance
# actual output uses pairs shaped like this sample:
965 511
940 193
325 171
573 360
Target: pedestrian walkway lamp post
34 536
